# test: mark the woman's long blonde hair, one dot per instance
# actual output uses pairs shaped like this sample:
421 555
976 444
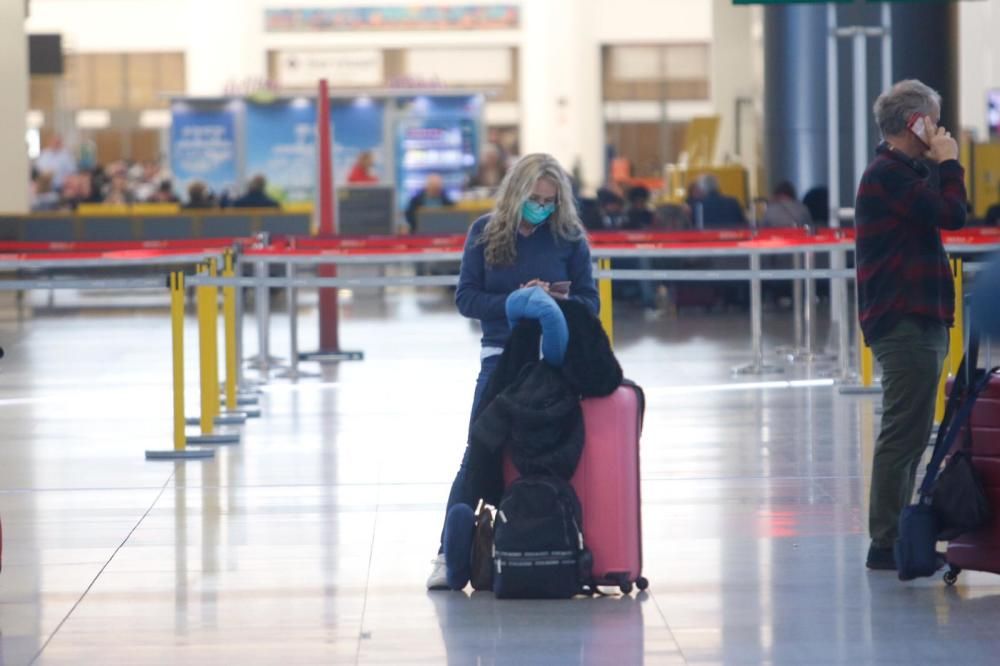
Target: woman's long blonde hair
500 234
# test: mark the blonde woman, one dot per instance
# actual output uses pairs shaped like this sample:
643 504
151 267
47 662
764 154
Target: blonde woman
532 237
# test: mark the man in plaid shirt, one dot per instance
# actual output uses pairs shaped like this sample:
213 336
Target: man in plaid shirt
905 289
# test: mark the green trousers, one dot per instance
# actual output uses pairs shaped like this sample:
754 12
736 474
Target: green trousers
911 356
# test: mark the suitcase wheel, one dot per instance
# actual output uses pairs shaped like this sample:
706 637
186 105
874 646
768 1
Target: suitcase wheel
641 583
626 588
951 576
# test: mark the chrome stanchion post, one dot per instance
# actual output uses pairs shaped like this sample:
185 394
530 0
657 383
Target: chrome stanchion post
245 393
797 313
293 321
262 302
292 296
757 367
809 314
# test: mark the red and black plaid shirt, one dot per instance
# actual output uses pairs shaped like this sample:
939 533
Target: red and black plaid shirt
901 263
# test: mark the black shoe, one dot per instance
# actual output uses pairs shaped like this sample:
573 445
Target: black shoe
881 559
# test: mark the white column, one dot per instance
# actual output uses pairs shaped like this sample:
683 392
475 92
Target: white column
979 59
538 102
560 86
732 76
586 106
14 110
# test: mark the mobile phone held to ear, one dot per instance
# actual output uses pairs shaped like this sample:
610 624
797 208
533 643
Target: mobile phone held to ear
918 126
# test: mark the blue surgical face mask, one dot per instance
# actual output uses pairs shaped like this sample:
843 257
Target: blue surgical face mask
536 213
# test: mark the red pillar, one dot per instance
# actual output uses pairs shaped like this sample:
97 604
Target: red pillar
329 340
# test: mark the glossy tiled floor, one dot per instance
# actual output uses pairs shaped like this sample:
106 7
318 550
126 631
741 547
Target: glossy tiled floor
309 543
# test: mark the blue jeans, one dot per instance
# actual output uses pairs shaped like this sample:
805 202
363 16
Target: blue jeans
459 493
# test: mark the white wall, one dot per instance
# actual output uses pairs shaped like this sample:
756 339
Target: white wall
114 25
979 61
13 111
637 21
559 40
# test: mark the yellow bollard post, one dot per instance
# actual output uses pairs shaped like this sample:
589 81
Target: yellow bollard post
208 353
177 344
209 375
212 300
956 342
867 363
180 451
607 308
956 346
939 402
229 317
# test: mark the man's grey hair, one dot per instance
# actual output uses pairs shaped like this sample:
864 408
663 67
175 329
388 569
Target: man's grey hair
708 183
895 106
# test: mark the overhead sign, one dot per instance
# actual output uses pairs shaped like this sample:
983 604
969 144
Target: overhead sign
342 68
418 17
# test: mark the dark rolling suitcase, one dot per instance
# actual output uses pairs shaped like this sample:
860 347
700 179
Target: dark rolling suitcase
980 550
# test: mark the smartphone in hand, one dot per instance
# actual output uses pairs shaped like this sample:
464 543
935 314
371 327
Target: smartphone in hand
561 288
918 126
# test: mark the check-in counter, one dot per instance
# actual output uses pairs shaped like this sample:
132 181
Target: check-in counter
455 219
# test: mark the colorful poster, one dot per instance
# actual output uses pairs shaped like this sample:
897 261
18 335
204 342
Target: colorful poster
281 146
438 135
203 146
358 128
418 17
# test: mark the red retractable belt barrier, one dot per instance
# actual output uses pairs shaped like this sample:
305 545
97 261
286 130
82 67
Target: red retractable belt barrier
108 246
68 257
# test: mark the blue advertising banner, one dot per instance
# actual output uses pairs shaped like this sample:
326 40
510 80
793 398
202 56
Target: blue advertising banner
281 146
203 146
438 135
358 127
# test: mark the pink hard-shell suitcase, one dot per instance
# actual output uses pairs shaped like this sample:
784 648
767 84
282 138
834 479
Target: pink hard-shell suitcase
607 483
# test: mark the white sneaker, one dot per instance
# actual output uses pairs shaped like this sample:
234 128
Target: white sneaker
438 580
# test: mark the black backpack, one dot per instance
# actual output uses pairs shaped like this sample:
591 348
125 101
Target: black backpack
538 548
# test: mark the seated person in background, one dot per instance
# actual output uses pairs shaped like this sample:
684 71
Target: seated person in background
432 196
76 189
639 214
119 191
57 161
992 218
164 194
361 172
717 210
199 196
817 200
256 196
785 210
673 217
491 169
46 198
609 215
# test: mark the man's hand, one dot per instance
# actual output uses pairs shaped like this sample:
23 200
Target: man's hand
943 146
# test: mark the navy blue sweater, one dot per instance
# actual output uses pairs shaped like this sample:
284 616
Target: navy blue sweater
483 290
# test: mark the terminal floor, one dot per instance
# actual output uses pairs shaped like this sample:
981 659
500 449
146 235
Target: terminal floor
310 542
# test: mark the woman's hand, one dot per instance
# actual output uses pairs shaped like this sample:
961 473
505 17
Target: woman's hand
547 288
